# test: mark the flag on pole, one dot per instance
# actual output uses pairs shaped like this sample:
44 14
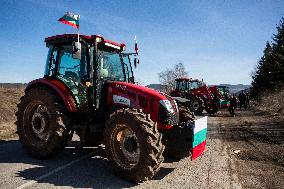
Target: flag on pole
70 19
136 45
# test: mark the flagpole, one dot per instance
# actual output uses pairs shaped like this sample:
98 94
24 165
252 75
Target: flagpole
78 36
78 30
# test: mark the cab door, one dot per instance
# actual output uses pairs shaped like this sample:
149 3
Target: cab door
71 71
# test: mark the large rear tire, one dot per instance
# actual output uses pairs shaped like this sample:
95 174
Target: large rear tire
42 123
133 145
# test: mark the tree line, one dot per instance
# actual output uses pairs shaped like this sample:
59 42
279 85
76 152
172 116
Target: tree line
269 73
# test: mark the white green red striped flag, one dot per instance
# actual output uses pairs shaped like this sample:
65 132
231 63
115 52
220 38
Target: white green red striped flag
70 19
199 137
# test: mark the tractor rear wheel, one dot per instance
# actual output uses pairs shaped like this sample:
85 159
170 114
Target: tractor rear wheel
42 123
196 105
133 145
178 140
211 109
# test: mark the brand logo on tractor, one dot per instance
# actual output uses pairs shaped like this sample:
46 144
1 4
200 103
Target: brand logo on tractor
121 100
122 87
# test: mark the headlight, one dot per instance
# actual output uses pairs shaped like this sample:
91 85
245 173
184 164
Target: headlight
167 105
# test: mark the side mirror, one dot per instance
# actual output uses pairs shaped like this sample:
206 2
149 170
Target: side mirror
136 61
76 54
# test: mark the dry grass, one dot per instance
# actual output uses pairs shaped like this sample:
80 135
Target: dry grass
9 98
272 103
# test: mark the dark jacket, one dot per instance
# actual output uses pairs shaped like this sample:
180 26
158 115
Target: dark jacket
242 96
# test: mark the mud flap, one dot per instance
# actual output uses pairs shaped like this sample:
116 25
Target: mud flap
199 137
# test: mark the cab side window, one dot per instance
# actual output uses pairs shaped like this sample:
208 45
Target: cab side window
51 61
71 69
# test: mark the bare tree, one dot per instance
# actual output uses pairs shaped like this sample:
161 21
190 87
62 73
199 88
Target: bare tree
167 77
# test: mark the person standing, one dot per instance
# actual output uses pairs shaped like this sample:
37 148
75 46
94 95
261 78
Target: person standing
247 99
233 105
242 99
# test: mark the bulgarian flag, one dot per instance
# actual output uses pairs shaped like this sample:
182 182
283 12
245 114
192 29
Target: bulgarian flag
70 19
199 137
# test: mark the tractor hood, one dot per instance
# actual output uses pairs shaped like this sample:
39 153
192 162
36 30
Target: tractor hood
162 108
137 90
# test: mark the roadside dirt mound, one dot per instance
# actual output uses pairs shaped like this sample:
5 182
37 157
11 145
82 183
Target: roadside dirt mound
9 98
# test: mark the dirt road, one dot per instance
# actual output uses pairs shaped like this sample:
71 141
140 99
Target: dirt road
255 144
238 156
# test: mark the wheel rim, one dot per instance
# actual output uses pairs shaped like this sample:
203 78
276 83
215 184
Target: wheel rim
40 122
195 105
37 123
125 146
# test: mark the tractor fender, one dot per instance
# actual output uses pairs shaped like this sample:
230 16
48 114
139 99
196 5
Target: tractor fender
61 90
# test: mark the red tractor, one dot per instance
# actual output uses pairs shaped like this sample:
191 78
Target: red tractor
88 89
198 94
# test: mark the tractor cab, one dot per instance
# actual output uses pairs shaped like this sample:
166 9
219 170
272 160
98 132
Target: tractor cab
182 84
194 84
91 62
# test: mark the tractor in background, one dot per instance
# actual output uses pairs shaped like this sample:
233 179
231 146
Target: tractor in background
223 92
88 89
199 95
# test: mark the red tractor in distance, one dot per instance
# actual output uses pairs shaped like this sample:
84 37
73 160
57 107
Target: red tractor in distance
88 89
198 94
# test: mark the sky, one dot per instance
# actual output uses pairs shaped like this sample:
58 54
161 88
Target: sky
219 41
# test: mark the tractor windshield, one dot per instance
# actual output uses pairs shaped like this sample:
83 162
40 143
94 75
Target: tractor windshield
195 84
114 66
182 85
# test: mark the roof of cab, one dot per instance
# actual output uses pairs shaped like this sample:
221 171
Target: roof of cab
69 37
183 78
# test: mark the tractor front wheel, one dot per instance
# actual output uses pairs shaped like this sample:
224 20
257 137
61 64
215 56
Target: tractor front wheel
133 145
42 123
